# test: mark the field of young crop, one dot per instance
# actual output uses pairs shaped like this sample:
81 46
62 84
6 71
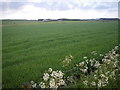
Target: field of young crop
30 48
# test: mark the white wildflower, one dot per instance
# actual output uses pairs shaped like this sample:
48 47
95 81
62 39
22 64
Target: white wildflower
70 78
54 87
81 64
60 74
53 74
86 67
71 56
85 57
114 52
112 57
114 78
34 85
62 82
86 61
106 56
99 83
101 54
116 47
107 61
52 83
67 60
97 64
46 76
42 85
32 82
77 65
84 70
113 73
115 65
117 55
102 75
106 79
104 84
85 82
57 74
116 69
94 53
91 62
95 76
96 71
50 70
93 83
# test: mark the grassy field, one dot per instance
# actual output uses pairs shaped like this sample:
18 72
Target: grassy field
29 48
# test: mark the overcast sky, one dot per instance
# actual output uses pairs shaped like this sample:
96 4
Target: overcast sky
54 9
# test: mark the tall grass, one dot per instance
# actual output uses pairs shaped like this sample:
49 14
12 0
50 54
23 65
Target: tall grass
30 49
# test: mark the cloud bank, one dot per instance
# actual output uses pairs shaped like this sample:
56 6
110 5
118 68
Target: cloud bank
53 9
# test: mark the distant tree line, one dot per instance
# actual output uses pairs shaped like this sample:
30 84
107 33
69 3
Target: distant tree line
64 19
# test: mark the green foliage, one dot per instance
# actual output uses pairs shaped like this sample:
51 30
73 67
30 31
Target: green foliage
106 75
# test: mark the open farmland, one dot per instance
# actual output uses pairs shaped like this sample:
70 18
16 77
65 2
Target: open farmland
30 48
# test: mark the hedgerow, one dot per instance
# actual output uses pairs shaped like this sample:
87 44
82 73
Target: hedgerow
100 71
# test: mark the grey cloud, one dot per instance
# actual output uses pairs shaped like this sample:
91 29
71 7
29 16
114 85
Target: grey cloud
53 6
98 6
12 5
61 6
107 6
83 7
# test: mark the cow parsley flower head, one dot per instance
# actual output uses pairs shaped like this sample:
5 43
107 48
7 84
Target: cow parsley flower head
85 82
60 74
34 85
42 84
99 83
116 47
93 83
32 82
102 75
85 57
107 61
95 77
81 64
93 53
97 64
101 55
62 82
46 76
50 70
52 83
83 70
67 60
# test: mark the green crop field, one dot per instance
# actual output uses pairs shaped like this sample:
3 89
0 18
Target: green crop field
30 48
